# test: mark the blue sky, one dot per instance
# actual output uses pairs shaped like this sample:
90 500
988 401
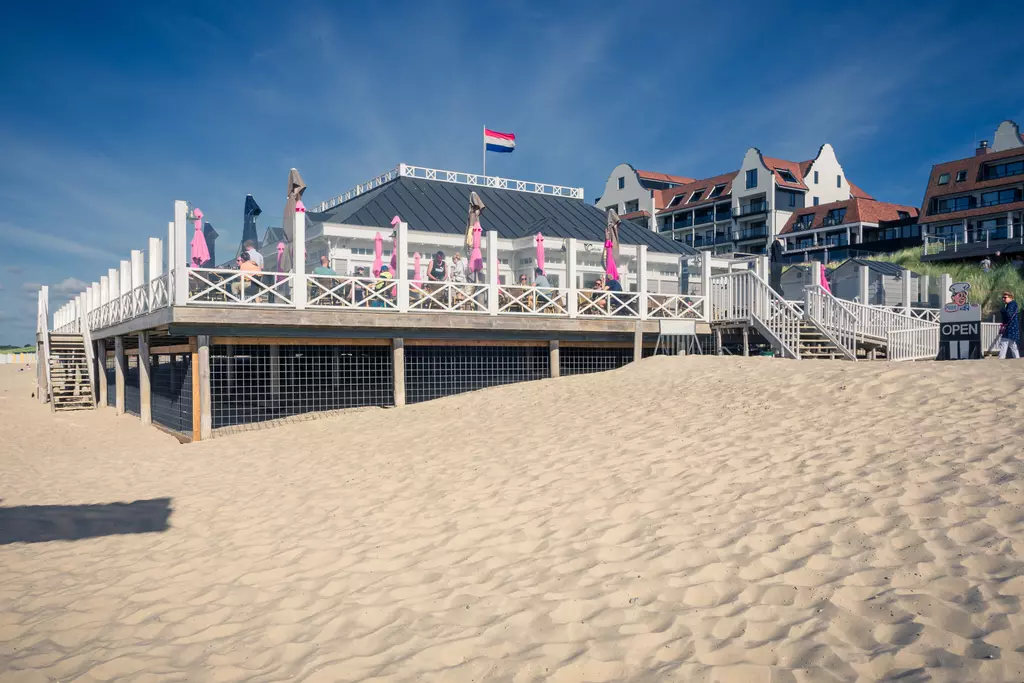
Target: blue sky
110 111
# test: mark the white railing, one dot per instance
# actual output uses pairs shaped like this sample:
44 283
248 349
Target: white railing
921 343
239 288
833 318
675 306
600 303
336 291
362 188
989 337
447 297
929 314
159 293
745 296
518 300
875 322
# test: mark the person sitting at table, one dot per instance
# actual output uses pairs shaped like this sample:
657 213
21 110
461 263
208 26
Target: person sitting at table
544 289
595 297
248 267
324 268
383 288
614 286
437 273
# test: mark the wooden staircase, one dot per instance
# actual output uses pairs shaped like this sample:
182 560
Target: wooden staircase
70 385
814 343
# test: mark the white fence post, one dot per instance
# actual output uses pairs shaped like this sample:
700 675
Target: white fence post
138 269
641 279
570 274
923 287
492 272
104 290
177 256
156 258
402 264
865 289
113 279
299 257
125 278
907 282
705 274
946 282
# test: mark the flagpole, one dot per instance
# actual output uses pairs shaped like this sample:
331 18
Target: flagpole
485 152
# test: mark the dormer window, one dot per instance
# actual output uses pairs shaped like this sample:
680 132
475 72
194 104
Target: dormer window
835 216
677 200
961 176
944 179
717 192
805 221
786 175
696 196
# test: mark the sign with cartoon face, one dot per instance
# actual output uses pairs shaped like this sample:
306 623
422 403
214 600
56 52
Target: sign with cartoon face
960 326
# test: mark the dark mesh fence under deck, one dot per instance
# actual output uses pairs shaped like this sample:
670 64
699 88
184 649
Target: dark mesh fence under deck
132 399
248 383
437 371
171 397
111 381
580 360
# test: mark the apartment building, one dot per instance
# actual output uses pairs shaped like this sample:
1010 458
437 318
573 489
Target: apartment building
830 232
635 195
975 205
738 211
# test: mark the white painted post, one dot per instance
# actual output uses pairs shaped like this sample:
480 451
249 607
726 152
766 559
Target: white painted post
705 275
398 370
179 257
113 277
299 253
104 290
145 390
492 272
946 281
156 258
865 289
120 366
1009 225
125 278
570 275
641 279
170 263
402 264
138 269
907 282
923 287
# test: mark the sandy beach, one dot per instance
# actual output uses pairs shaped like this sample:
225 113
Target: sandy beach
698 519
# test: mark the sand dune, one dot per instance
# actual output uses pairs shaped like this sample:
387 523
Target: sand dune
700 519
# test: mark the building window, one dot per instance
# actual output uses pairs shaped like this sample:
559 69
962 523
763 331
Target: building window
949 205
815 177
944 179
717 192
815 201
903 214
785 175
839 181
622 182
835 216
751 178
961 176
678 199
804 222
696 196
1003 170
630 207
1000 197
792 199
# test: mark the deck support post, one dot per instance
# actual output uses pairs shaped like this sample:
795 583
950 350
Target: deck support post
398 370
553 358
101 372
638 341
145 395
492 272
205 403
275 373
746 341
718 341
120 367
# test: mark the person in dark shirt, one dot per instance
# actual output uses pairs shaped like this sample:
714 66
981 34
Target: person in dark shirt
1009 331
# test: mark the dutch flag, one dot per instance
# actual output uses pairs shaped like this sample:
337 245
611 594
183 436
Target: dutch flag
499 142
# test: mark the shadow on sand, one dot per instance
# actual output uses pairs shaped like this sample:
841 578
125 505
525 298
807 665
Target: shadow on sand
41 523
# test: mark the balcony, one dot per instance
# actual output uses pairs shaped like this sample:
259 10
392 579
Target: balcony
723 237
752 209
834 241
754 233
701 220
723 216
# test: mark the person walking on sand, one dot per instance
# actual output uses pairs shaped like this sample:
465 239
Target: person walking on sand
1009 331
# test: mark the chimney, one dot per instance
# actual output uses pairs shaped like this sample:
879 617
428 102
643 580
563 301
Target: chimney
982 148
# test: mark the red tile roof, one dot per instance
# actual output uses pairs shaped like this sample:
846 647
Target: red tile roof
663 177
662 198
857 192
635 214
973 183
792 166
858 210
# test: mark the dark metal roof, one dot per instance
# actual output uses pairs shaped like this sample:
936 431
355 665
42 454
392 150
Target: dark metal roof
881 267
435 206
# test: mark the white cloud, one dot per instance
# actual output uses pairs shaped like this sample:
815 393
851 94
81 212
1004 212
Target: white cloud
70 286
45 241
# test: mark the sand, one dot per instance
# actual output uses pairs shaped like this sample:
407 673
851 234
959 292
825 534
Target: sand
700 519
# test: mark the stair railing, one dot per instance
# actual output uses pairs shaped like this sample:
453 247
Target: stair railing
913 344
832 318
744 296
876 322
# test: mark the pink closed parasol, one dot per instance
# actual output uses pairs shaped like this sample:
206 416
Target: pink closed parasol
378 251
609 261
416 268
200 252
539 241
476 259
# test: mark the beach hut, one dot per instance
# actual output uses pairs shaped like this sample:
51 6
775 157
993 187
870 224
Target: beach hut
796 278
885 282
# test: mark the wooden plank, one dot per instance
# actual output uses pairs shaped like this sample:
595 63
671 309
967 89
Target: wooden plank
205 402
300 341
474 342
599 345
196 408
169 350
398 370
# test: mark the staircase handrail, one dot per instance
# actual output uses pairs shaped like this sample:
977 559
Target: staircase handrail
746 296
913 344
832 318
90 359
876 322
